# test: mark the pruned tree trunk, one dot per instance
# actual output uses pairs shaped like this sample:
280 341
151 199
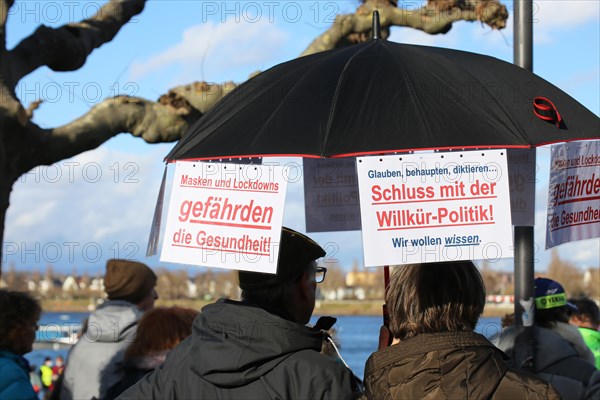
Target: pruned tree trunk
25 145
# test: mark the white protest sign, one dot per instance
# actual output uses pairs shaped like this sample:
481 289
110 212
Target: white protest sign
573 193
331 195
226 216
434 207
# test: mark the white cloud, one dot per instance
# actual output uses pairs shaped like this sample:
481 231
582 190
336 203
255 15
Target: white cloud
209 48
551 17
38 211
99 205
415 36
557 14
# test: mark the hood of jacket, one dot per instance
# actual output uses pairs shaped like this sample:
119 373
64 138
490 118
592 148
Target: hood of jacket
146 362
551 348
572 335
113 321
239 343
448 365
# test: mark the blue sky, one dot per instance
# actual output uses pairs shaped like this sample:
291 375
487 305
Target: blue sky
99 205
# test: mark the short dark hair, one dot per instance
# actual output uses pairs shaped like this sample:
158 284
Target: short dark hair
547 318
587 309
434 297
16 310
275 297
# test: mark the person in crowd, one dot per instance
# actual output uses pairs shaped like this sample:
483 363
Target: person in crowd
159 331
259 347
92 363
19 313
34 379
57 378
46 377
58 367
587 319
560 355
435 352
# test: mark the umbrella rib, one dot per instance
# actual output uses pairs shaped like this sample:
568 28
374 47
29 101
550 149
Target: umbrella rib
401 67
283 100
466 70
335 96
499 103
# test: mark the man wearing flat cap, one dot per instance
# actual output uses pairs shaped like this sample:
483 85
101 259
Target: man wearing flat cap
260 347
92 363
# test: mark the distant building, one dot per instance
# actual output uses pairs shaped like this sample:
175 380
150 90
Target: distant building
591 277
192 289
362 278
97 285
70 284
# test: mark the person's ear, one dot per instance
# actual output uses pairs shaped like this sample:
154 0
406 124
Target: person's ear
305 284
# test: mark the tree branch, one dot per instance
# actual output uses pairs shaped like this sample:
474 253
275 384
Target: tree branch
66 48
156 122
152 121
434 18
5 6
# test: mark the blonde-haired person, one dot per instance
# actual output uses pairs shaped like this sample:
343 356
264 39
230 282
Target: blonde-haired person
436 354
159 331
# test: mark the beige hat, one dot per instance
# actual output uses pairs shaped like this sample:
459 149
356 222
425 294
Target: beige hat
128 280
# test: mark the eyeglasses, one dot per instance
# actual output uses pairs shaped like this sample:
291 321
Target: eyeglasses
320 274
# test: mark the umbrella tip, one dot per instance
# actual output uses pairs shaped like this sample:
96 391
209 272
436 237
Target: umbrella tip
376 26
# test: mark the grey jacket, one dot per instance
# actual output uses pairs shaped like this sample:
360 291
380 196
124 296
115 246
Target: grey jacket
239 351
557 361
92 363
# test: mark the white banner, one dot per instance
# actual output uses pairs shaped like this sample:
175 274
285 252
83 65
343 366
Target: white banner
573 193
435 207
331 195
226 216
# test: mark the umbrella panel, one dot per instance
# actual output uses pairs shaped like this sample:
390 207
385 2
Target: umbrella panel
383 97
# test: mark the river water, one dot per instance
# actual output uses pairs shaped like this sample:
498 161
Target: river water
357 336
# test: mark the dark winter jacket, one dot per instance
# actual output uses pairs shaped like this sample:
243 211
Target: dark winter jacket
449 365
14 377
239 351
132 370
556 361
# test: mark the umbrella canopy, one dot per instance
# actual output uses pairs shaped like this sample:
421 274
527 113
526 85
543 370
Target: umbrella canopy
380 97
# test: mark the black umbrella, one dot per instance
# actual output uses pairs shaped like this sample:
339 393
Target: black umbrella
382 96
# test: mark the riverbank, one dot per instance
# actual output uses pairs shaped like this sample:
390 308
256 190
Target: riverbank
322 307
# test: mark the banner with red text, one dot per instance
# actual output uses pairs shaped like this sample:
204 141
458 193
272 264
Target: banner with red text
573 193
432 207
225 216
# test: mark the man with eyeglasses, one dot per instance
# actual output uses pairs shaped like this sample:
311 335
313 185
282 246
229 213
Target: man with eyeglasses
259 347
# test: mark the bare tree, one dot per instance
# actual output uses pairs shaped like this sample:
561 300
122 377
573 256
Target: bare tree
566 274
25 145
335 277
